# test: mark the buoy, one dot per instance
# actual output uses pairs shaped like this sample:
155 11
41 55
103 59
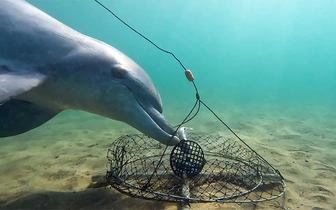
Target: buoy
189 75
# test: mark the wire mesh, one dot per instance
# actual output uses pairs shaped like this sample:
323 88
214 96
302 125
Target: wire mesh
187 159
231 172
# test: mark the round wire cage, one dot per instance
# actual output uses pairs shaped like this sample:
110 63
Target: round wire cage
141 167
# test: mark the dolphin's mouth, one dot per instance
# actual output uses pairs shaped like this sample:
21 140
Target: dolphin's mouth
157 118
152 122
155 115
158 126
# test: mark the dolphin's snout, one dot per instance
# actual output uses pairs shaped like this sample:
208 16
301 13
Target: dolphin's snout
162 124
147 112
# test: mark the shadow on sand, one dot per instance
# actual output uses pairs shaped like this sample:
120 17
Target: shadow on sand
99 198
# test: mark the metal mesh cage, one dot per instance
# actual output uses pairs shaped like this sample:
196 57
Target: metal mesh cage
141 167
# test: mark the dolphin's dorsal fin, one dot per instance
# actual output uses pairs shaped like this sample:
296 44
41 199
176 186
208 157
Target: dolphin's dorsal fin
13 83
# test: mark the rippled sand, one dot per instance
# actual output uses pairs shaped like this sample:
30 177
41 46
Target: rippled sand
51 167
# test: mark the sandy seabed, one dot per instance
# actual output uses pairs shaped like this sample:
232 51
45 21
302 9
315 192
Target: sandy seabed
51 167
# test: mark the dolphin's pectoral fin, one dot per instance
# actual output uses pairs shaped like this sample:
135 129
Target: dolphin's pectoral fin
16 83
18 116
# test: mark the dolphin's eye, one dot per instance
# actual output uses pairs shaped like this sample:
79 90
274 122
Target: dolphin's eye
118 71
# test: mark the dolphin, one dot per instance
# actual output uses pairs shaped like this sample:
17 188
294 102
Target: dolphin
47 67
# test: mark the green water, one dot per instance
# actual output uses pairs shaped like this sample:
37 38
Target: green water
242 53
251 60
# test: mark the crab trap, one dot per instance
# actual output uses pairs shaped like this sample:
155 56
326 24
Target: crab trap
201 168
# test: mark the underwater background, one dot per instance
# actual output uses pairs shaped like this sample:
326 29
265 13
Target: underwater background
267 68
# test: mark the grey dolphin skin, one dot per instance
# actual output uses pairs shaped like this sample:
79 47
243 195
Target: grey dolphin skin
47 67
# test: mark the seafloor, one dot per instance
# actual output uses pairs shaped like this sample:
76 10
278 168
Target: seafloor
51 167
